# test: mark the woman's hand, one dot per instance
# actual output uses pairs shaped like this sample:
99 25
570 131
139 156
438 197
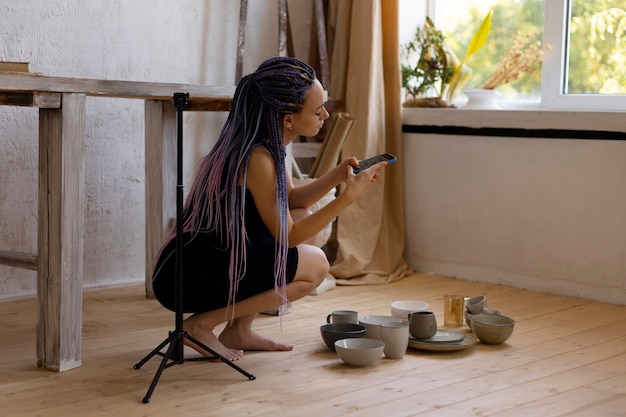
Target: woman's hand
342 169
357 184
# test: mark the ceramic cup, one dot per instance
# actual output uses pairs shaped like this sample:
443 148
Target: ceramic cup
396 338
343 316
422 324
476 304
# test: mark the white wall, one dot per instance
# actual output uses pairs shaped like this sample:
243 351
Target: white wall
141 40
542 214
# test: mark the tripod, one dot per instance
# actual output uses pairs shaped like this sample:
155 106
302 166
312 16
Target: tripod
175 352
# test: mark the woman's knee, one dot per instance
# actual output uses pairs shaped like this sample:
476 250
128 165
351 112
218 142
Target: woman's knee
313 264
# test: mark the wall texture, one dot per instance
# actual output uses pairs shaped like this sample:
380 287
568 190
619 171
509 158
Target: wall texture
140 40
536 213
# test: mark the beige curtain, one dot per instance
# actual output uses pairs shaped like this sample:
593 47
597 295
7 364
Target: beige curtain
365 73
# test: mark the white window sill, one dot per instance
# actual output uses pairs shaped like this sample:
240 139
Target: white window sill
526 118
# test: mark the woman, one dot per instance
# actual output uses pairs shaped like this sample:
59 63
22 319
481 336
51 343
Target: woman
246 227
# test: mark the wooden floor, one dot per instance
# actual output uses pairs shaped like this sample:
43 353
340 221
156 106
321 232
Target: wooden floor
567 357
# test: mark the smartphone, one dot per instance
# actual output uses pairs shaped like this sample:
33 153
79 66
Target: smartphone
366 163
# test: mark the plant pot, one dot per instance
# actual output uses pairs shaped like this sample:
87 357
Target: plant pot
481 99
425 102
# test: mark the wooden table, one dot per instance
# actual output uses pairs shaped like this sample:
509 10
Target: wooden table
59 257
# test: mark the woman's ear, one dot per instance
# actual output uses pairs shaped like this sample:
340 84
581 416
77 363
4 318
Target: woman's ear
288 121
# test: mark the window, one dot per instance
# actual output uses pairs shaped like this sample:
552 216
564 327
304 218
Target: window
460 20
583 69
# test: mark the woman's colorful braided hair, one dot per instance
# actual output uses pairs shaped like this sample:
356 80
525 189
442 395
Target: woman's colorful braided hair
217 199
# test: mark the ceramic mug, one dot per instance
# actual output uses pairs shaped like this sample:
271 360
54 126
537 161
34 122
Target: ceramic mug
343 316
422 324
396 338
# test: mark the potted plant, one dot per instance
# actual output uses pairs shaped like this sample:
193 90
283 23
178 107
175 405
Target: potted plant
437 72
424 77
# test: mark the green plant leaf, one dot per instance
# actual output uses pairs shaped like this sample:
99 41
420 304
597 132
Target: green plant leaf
479 38
461 73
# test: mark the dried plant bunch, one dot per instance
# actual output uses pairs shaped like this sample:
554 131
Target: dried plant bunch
520 59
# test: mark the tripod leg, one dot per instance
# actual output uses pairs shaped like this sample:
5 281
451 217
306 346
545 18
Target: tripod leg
172 341
220 357
151 354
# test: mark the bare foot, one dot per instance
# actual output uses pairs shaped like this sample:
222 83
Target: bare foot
208 339
247 339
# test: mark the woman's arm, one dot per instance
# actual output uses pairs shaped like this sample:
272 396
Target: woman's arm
261 180
304 196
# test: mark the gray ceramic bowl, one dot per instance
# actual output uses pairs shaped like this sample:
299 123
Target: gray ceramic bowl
372 324
359 352
332 332
492 329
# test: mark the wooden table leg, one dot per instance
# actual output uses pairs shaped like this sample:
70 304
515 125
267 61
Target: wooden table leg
160 155
60 235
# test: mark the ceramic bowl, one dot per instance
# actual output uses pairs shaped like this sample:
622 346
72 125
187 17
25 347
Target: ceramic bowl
359 352
331 332
468 315
468 318
492 329
372 324
476 304
403 308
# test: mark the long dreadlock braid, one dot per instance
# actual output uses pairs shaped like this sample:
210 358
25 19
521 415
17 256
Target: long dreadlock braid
261 100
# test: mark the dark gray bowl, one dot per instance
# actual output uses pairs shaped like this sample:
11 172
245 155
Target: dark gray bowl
332 332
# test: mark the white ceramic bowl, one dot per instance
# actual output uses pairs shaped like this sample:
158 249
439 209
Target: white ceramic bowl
403 308
372 324
492 329
359 351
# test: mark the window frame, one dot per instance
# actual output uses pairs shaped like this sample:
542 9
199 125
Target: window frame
554 66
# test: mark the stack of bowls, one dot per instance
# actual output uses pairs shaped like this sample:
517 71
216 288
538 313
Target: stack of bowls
477 305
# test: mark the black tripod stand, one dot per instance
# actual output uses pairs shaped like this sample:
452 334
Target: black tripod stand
175 351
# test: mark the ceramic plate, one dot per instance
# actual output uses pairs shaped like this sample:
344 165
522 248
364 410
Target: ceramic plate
468 341
444 336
